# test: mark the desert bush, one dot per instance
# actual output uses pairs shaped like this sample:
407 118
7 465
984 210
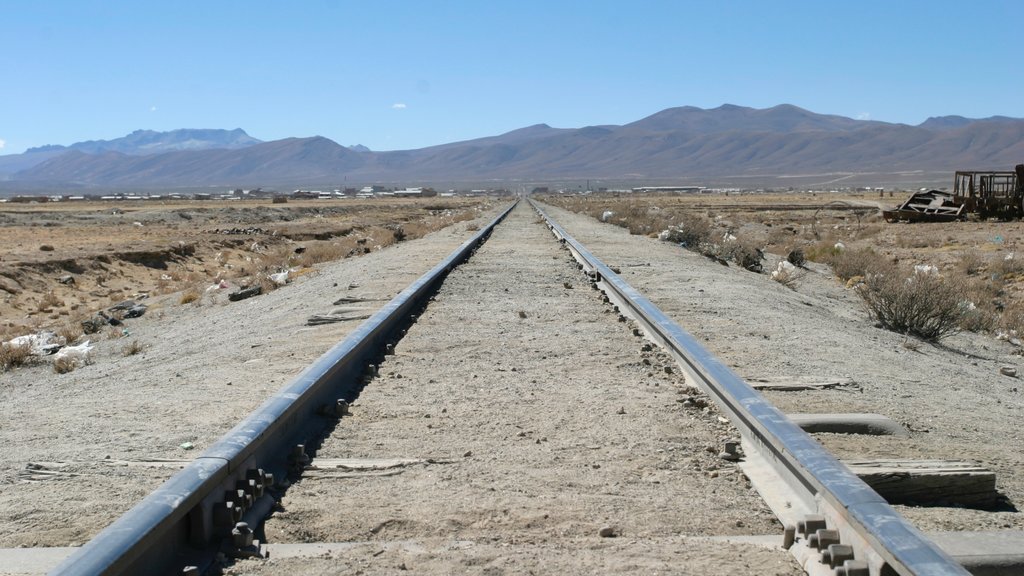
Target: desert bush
971 263
132 348
1008 267
323 252
861 262
190 295
64 364
692 231
822 252
70 332
744 253
48 301
925 305
12 356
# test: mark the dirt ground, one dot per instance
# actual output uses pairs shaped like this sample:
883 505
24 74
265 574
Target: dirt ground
951 397
203 366
63 262
73 441
530 419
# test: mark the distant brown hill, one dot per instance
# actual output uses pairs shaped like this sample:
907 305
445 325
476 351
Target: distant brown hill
685 142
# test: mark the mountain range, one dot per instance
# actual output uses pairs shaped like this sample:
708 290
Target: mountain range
684 142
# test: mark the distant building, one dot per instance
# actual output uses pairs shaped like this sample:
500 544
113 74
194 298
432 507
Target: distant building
679 189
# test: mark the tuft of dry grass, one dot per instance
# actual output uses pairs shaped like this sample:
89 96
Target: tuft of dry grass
64 364
132 348
12 356
49 301
190 295
70 332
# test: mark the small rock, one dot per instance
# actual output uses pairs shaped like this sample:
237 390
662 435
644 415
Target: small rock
729 456
668 369
621 410
186 445
66 279
1008 371
608 532
467 454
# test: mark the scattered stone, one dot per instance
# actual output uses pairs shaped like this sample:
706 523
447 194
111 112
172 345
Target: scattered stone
621 410
668 369
1008 371
67 279
186 446
46 248
608 532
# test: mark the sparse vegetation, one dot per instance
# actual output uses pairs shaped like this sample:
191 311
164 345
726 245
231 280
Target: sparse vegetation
64 364
190 295
12 356
924 305
132 348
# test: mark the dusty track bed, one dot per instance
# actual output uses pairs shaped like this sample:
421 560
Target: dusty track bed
532 418
202 369
952 399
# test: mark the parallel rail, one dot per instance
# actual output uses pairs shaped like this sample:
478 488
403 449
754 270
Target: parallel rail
884 540
183 522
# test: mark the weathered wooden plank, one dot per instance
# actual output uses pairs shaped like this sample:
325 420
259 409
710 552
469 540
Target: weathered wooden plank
791 385
929 482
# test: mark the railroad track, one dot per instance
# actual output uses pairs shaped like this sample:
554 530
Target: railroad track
832 522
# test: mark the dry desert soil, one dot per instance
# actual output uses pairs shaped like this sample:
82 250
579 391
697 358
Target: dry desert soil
525 418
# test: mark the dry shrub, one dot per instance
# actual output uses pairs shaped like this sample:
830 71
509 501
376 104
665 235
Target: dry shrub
132 348
861 262
1012 319
693 231
322 252
70 332
918 304
822 252
48 301
472 227
64 364
190 295
971 263
1008 267
788 276
12 356
744 253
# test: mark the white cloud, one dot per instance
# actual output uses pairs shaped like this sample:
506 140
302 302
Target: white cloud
398 106
864 116
2 144
152 108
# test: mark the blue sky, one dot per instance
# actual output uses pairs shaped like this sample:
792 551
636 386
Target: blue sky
407 74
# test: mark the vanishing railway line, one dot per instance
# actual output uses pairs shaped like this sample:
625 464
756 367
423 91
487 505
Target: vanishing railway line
337 444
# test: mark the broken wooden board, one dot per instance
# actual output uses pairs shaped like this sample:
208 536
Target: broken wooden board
929 482
337 316
792 385
363 467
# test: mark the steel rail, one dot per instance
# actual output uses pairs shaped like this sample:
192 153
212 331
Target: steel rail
176 525
814 474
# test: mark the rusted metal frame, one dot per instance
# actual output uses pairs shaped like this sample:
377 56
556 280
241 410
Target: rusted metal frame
815 474
172 527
